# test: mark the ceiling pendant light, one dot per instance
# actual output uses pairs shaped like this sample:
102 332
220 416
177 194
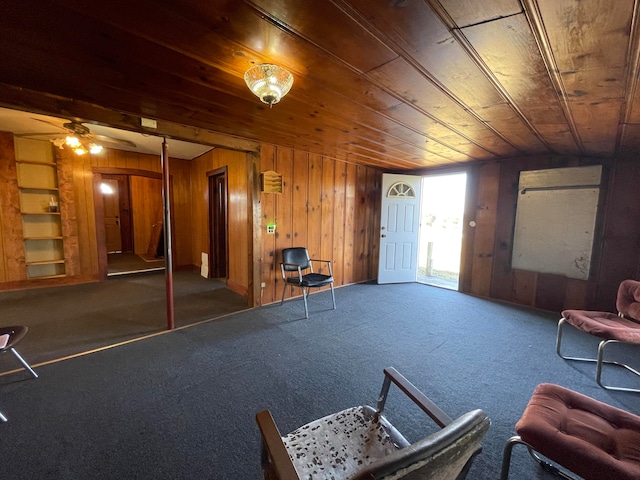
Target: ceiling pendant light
268 82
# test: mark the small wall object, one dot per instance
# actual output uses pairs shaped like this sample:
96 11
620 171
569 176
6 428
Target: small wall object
271 182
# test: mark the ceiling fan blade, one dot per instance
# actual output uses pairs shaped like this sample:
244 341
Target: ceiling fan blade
38 134
51 123
112 140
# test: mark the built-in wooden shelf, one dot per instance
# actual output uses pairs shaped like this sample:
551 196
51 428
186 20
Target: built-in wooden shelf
40 213
46 262
42 238
47 189
37 174
35 162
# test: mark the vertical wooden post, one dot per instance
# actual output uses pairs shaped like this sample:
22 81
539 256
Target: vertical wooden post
168 260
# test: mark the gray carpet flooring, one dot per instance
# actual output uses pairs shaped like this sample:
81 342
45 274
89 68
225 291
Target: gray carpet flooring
181 405
72 319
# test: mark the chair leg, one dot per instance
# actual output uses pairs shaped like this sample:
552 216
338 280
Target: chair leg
2 417
333 297
284 290
506 460
506 457
24 364
304 297
599 361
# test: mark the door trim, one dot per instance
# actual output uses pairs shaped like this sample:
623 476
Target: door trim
218 216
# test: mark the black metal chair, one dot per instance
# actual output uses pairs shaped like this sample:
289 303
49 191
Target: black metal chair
360 443
297 271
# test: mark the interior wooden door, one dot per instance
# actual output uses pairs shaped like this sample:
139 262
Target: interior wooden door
111 200
121 183
218 223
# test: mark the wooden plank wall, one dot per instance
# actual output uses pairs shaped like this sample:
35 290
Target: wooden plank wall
616 245
238 213
329 206
146 209
181 213
12 254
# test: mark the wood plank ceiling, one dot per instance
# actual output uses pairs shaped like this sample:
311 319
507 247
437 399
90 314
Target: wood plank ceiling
399 84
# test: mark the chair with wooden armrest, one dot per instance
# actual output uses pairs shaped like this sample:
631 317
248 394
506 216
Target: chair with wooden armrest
623 327
297 271
360 443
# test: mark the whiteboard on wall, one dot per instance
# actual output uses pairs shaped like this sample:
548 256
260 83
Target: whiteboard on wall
555 220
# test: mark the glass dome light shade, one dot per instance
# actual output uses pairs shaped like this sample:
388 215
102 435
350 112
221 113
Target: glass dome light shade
268 82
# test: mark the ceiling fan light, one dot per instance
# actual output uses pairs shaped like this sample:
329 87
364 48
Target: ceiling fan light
94 148
268 82
72 141
80 150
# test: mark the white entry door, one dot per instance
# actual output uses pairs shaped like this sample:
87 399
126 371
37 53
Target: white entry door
399 228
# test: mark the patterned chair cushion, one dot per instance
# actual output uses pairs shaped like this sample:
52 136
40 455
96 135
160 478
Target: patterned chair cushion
336 437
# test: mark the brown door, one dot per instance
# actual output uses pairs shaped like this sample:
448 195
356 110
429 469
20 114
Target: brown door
218 223
111 199
117 213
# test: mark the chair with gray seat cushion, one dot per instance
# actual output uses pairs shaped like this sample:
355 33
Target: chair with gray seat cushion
623 327
360 443
297 271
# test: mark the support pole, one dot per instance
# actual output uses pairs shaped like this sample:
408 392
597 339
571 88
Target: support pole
168 260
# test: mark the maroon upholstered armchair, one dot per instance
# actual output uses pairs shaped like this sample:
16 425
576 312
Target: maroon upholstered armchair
623 327
9 337
566 431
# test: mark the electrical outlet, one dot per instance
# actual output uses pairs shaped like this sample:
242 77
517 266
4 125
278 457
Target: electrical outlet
263 285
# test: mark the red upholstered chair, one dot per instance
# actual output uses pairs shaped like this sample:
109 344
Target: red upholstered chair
621 328
9 337
578 433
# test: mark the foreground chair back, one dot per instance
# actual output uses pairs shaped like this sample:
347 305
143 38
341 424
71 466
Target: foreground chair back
360 443
297 271
623 327
586 437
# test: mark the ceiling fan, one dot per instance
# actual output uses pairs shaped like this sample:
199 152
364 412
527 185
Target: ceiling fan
78 137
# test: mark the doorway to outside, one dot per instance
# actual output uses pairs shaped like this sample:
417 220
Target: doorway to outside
440 244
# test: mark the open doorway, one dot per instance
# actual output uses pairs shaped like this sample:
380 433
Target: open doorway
131 203
440 243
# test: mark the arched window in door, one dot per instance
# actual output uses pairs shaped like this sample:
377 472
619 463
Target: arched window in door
401 190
